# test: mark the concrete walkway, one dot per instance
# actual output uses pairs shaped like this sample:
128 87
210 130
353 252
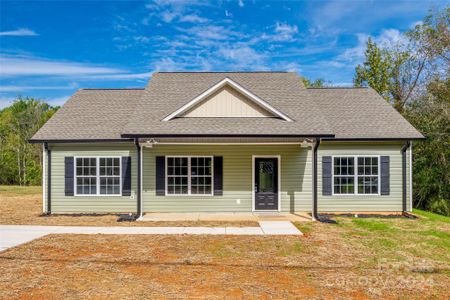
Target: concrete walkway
14 235
228 216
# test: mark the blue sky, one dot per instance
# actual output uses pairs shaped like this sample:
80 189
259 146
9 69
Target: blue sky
50 49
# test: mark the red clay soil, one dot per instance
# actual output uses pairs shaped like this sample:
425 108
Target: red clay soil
125 266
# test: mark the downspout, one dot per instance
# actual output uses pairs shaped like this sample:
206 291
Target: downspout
49 178
404 191
138 189
315 215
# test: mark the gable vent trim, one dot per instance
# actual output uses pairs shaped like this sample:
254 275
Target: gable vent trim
239 88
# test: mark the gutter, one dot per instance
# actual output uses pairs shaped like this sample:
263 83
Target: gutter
371 139
49 178
150 135
315 215
404 192
34 141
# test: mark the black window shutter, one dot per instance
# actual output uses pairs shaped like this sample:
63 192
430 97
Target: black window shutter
384 174
160 176
68 176
218 175
326 176
126 175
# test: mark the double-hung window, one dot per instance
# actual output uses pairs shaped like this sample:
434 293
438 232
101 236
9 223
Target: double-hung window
189 175
356 175
98 176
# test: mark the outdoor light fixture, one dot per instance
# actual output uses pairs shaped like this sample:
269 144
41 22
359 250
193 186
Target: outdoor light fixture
305 144
150 143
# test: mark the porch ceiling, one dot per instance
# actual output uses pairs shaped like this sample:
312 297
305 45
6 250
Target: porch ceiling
225 140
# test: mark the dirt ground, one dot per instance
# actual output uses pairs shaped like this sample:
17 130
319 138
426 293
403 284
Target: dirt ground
23 205
319 265
352 258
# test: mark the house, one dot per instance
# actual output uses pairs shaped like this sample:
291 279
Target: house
227 142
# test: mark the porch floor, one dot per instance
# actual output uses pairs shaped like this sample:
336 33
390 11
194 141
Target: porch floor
228 216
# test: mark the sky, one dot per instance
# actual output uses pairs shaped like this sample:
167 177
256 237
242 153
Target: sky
48 50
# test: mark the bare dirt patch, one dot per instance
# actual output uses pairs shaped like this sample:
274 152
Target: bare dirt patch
23 206
325 264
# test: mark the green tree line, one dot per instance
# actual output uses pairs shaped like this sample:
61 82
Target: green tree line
20 161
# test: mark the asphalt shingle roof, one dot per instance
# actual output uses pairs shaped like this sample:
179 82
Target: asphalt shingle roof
91 114
358 113
103 114
166 92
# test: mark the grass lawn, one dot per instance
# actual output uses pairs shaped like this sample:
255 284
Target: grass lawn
359 258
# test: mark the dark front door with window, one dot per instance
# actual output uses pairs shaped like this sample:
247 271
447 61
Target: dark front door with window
266 184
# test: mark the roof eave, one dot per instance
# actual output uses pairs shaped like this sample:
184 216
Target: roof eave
149 135
63 141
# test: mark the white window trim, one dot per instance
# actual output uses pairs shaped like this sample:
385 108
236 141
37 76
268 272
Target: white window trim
278 157
355 175
216 87
97 175
189 176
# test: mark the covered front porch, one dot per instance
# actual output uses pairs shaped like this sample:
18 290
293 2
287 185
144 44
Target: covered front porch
224 178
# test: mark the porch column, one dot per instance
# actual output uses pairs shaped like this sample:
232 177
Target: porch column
49 178
315 215
138 179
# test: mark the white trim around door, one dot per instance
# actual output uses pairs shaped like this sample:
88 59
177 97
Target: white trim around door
278 157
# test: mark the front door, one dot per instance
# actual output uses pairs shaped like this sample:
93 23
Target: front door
266 183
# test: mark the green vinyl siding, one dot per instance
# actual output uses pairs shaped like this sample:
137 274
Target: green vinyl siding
237 178
361 203
94 204
295 189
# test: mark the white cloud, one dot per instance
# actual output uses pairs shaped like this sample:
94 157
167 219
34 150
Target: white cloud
211 32
285 32
241 3
193 19
387 38
168 16
243 58
57 101
19 32
5 102
121 76
391 38
25 65
228 14
284 28
19 88
141 39
172 10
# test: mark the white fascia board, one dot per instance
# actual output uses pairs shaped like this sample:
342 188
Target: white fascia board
236 86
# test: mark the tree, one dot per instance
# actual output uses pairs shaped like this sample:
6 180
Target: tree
20 162
393 72
433 35
414 77
318 83
430 114
401 71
